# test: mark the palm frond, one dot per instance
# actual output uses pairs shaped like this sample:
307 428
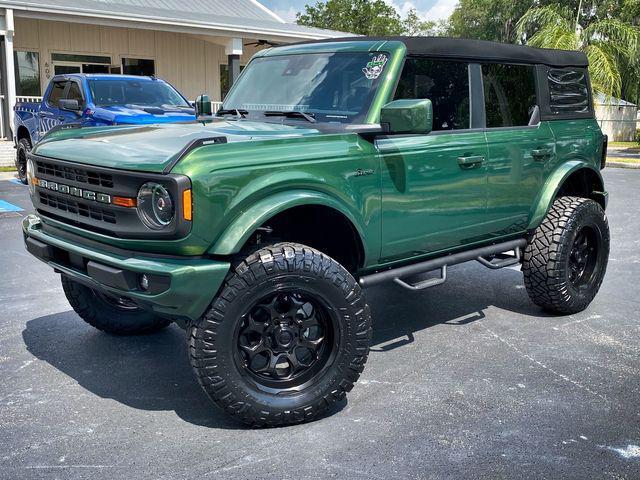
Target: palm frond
554 36
619 35
603 69
539 17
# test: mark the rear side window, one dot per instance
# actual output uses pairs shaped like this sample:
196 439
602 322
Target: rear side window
57 89
509 95
445 83
568 90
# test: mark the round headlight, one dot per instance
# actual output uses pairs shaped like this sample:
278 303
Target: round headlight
155 206
30 175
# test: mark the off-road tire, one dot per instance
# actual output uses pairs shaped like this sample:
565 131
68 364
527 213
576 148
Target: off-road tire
103 315
280 267
546 260
23 147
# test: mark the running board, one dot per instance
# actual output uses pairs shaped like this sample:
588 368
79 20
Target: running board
481 254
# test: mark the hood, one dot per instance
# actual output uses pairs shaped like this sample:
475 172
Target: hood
152 148
142 115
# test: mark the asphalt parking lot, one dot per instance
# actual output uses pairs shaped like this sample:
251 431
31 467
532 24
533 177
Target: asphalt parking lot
465 380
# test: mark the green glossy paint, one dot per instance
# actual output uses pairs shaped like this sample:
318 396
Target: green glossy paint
423 194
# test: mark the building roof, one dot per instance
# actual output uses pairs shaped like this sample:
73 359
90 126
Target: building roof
602 99
480 50
248 16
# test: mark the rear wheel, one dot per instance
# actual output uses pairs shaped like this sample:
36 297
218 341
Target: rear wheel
24 146
110 313
566 259
287 337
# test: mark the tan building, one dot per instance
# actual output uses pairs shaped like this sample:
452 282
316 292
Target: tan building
198 46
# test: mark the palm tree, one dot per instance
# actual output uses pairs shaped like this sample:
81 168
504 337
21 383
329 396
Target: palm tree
610 44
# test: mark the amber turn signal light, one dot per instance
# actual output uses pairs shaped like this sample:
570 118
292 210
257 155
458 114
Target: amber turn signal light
124 202
187 212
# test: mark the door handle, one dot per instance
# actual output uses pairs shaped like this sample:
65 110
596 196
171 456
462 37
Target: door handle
472 161
540 154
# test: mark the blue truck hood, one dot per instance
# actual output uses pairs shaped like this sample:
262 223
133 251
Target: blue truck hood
141 115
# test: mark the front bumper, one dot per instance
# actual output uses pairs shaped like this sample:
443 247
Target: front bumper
178 287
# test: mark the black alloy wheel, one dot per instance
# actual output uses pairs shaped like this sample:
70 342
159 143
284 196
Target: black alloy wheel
285 339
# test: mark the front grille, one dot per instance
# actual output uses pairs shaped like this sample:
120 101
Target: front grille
78 208
74 174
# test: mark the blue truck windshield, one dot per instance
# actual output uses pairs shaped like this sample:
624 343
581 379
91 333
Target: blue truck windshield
332 87
112 92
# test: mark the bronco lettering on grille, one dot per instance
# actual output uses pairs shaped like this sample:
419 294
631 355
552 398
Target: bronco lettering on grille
74 191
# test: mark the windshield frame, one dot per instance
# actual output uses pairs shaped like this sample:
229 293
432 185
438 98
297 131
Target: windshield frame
395 52
142 80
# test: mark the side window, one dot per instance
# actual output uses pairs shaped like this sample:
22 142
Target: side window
509 95
57 89
568 90
445 83
74 93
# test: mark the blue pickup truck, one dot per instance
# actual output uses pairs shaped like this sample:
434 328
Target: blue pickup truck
90 100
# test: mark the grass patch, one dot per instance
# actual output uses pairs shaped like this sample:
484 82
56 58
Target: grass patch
7 169
624 144
635 161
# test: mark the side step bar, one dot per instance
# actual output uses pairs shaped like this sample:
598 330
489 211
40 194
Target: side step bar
479 254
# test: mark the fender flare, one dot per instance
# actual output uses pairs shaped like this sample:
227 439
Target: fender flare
238 232
552 186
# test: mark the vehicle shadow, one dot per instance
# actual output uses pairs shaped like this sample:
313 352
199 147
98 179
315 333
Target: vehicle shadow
152 372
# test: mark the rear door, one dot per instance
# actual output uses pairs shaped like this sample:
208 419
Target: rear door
521 147
434 186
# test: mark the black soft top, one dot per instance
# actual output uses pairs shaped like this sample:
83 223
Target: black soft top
479 50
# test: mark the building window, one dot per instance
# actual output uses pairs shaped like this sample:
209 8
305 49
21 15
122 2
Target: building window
27 73
509 95
138 66
224 80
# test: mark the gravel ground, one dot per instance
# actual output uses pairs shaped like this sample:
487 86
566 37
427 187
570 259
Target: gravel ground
466 380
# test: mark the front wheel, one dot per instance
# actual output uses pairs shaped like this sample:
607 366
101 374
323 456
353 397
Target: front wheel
24 147
566 258
287 336
109 313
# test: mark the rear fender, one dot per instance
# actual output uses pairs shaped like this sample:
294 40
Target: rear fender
553 185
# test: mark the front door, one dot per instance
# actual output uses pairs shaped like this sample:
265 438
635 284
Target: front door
434 187
520 146
50 114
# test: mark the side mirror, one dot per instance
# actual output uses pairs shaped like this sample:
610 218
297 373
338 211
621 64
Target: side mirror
408 116
203 106
69 104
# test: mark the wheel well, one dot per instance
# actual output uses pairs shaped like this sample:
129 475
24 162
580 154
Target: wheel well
583 183
317 226
23 133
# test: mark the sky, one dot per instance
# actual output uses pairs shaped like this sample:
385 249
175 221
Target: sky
427 9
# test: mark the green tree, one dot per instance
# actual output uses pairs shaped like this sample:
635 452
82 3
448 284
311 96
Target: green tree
487 19
611 44
413 25
363 17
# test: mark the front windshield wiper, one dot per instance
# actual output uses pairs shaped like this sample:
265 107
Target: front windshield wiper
290 114
232 111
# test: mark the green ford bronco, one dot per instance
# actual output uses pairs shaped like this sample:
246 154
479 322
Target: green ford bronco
331 167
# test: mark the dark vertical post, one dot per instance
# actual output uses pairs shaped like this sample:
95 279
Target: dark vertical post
234 68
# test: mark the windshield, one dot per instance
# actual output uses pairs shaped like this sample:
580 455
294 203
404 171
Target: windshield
333 87
148 93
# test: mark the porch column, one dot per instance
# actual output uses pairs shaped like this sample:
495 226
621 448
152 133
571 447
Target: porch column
233 50
9 67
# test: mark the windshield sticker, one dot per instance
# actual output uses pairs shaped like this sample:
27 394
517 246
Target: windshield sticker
375 66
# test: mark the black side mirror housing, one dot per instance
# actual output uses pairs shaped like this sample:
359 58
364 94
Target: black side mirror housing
203 106
69 104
